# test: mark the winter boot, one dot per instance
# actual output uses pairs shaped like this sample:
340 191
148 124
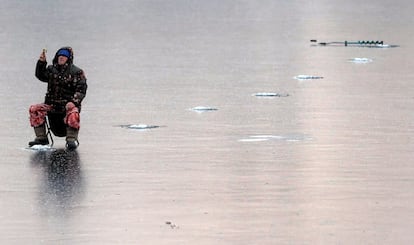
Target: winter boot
41 137
72 138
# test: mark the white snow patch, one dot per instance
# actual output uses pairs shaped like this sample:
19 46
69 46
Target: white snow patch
139 126
287 137
361 60
270 94
203 108
307 77
41 148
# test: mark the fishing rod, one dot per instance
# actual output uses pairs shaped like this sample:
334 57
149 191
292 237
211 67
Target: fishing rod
369 44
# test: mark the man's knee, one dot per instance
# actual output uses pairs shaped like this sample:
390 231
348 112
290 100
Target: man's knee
38 114
72 118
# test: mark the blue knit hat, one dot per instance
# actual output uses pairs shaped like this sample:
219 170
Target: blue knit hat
64 52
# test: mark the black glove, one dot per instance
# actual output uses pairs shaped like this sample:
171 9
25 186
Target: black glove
77 99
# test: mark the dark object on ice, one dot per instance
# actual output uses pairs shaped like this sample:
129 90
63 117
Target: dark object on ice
368 44
172 225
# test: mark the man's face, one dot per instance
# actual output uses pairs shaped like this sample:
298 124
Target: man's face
62 60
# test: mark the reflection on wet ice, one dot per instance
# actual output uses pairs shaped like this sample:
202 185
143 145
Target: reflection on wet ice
61 183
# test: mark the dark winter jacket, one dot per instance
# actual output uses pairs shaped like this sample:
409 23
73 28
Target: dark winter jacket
66 83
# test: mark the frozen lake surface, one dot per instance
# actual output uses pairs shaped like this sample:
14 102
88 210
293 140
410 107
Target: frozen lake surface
331 163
